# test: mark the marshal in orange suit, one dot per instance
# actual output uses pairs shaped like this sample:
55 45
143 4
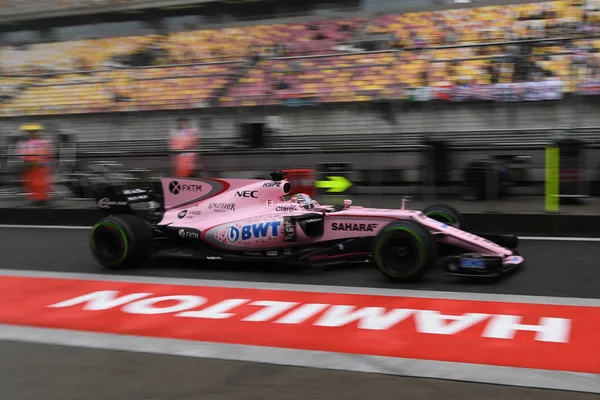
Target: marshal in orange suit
184 138
37 172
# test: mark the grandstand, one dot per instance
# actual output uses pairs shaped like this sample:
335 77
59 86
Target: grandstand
506 52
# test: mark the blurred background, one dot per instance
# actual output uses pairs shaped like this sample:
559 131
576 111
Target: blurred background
363 99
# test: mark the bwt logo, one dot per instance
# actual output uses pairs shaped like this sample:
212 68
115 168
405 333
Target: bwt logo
254 231
247 193
176 188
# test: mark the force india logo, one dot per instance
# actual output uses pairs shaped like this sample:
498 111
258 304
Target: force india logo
424 321
353 227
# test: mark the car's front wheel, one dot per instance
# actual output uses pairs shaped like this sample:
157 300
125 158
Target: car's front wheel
121 241
446 214
404 251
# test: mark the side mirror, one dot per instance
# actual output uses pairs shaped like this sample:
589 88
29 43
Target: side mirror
347 203
404 200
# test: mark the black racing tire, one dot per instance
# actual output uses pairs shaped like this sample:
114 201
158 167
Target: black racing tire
121 242
404 251
446 214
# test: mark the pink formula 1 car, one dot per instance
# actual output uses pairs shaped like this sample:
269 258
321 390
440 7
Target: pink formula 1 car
258 220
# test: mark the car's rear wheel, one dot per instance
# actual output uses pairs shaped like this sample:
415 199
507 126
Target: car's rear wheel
121 241
446 214
404 251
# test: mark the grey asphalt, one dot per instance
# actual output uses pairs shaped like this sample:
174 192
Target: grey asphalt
567 269
32 371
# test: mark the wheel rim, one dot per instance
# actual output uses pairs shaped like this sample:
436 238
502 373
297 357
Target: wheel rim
109 244
401 255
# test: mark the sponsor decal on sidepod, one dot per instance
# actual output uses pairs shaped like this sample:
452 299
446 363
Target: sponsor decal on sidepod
253 231
176 188
222 207
353 227
289 230
188 214
186 234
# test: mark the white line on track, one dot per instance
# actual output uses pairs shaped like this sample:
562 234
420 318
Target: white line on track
69 227
561 380
537 238
428 294
560 239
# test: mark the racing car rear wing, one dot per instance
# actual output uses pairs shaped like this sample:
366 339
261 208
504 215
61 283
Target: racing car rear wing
118 200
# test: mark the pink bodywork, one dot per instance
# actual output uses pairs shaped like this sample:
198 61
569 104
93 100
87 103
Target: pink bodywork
247 215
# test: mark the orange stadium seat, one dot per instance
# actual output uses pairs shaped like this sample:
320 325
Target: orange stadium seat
356 77
127 90
154 88
439 49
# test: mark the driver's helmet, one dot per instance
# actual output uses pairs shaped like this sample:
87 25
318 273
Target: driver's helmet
303 200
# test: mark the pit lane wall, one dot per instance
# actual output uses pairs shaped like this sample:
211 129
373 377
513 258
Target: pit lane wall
404 121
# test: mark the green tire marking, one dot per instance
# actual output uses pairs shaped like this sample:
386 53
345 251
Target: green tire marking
421 251
443 215
123 236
